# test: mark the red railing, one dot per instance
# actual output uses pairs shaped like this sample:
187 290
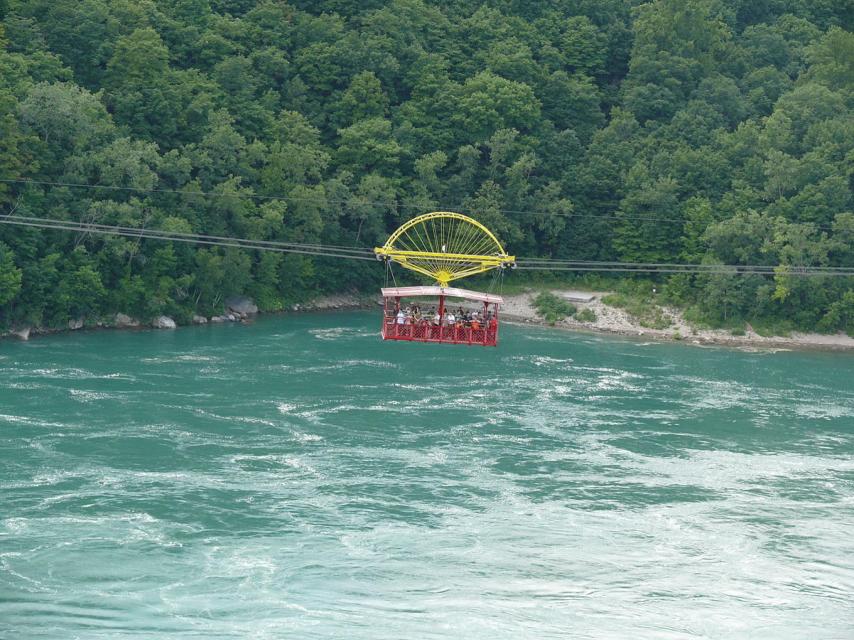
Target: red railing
426 332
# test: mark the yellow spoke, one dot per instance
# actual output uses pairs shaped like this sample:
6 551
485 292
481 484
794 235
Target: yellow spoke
446 246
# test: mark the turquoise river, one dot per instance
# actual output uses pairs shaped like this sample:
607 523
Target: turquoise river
298 478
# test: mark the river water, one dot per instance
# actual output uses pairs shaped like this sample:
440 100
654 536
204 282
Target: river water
298 478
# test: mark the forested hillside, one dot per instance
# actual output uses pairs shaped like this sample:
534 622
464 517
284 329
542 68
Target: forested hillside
715 131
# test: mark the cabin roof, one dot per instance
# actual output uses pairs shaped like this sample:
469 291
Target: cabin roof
451 292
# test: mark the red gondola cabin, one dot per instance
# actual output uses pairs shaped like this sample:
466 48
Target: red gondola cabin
451 323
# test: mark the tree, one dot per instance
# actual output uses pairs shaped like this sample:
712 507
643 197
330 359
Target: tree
488 102
723 295
572 102
676 45
363 99
65 116
642 235
369 146
10 276
16 158
705 131
831 59
583 46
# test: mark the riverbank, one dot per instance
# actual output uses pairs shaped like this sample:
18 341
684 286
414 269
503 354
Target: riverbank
519 308
241 309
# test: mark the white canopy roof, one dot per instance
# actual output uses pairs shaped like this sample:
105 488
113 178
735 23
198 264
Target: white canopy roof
402 292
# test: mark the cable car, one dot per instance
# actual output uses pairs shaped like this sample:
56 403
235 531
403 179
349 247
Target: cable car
444 246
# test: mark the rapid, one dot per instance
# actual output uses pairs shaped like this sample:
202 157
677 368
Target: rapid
299 478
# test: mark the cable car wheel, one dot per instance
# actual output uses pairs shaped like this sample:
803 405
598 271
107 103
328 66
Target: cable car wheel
444 246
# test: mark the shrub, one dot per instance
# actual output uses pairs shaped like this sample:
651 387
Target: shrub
586 315
552 308
772 327
640 306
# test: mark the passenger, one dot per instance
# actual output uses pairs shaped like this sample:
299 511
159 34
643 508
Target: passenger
451 320
401 317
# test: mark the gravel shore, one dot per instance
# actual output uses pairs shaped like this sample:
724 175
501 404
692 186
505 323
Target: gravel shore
519 308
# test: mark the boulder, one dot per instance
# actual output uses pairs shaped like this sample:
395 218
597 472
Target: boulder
199 319
163 322
241 305
22 333
123 321
74 325
578 296
218 319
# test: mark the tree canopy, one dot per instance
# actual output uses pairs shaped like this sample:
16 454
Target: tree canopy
709 131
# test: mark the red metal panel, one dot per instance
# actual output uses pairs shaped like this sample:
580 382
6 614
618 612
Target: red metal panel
440 335
485 334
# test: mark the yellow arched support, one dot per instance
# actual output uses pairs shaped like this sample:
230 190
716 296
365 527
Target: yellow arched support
446 246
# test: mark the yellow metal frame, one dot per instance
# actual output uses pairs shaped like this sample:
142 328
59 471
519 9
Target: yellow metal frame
442 265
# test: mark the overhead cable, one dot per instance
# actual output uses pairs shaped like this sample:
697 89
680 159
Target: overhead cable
608 217
187 238
531 264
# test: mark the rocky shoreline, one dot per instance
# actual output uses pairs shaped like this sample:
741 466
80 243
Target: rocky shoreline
517 309
236 309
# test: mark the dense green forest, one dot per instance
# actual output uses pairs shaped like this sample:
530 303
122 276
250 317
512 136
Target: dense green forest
713 131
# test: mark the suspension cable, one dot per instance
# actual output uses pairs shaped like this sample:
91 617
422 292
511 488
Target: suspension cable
187 238
533 264
92 226
609 217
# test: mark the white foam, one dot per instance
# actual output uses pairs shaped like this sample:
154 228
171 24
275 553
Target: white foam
306 437
339 333
82 395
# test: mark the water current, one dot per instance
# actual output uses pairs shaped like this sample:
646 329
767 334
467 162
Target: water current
298 478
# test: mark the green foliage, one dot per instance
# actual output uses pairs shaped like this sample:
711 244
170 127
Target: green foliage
638 300
10 276
840 315
713 131
770 327
586 315
553 309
